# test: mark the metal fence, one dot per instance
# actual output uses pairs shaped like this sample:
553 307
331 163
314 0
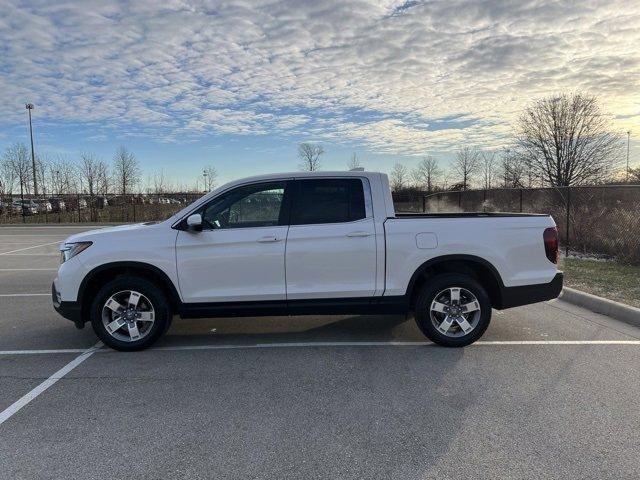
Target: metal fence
79 208
599 221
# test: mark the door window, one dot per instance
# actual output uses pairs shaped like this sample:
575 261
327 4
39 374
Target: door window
258 205
328 201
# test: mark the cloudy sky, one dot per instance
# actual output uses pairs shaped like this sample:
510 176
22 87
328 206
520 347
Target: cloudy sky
239 84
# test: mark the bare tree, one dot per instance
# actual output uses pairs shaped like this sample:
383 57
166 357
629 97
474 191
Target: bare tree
89 170
354 162
126 171
210 177
466 165
8 180
17 162
42 164
158 182
64 176
105 179
398 177
513 169
427 173
568 139
309 155
487 167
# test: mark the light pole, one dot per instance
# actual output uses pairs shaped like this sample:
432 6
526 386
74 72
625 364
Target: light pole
29 107
628 139
204 174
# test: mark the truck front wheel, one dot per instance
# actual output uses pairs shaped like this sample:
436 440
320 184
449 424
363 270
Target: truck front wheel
452 309
130 313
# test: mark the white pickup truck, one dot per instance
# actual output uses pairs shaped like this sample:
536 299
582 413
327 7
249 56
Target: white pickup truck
306 244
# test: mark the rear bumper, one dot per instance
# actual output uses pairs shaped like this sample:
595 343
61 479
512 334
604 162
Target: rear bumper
69 310
526 294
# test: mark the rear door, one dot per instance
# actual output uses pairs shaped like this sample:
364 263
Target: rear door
239 255
331 244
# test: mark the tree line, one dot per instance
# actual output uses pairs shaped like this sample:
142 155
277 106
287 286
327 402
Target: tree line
87 174
558 141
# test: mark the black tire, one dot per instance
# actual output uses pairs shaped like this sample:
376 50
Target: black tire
436 285
158 300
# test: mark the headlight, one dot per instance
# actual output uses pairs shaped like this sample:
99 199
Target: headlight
70 250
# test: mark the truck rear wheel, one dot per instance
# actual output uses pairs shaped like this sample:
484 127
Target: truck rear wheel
130 313
453 310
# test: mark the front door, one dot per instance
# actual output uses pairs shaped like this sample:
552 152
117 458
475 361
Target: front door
239 255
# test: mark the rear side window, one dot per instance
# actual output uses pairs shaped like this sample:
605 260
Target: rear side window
328 201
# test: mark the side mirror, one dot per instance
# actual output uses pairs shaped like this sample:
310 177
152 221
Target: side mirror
194 222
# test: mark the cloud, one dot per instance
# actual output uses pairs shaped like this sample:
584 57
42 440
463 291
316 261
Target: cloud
190 68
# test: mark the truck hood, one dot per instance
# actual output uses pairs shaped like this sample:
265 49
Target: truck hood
98 233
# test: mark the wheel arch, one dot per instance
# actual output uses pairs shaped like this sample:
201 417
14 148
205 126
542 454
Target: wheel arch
479 268
104 273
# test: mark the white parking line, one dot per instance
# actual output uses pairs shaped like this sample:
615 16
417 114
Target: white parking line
4 244
42 352
31 254
25 294
338 344
398 344
12 409
27 269
36 227
29 248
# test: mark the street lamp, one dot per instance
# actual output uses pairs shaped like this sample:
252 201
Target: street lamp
204 174
29 107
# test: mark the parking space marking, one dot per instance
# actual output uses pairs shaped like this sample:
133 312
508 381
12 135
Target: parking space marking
14 243
12 409
336 344
27 269
25 294
36 226
397 344
31 254
42 352
29 248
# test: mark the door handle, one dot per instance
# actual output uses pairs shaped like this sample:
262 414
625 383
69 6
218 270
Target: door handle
358 234
269 238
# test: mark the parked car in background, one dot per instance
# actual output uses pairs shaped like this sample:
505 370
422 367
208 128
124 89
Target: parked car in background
75 203
57 205
24 207
120 200
306 243
101 202
44 206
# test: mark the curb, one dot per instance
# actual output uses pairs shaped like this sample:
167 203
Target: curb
604 306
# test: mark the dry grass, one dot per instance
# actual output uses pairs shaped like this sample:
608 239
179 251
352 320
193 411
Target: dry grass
605 279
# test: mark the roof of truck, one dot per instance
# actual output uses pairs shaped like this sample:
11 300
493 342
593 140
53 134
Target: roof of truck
343 173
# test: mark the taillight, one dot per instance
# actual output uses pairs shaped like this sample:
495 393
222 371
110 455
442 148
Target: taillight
551 246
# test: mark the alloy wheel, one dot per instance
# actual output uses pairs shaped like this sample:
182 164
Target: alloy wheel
128 316
455 312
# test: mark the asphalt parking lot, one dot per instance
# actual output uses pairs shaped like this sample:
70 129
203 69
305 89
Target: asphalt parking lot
551 391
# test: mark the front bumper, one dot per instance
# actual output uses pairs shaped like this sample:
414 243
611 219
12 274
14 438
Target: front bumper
526 294
69 310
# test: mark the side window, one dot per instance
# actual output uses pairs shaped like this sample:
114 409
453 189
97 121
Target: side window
259 205
328 201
